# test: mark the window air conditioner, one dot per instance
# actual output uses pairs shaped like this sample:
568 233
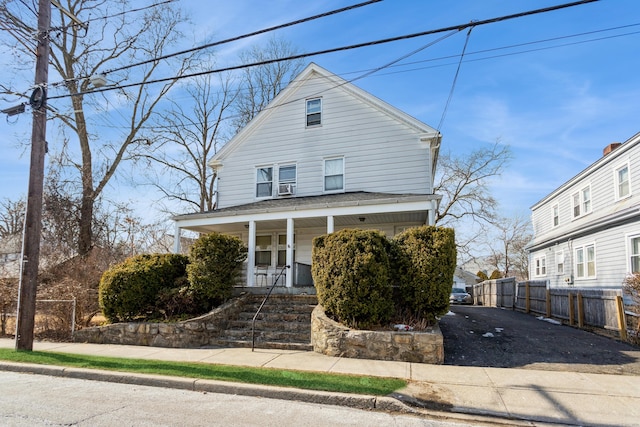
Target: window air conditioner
285 189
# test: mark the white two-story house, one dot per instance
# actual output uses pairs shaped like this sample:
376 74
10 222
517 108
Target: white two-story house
324 155
587 231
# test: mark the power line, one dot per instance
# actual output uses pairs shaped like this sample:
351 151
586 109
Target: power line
338 49
244 36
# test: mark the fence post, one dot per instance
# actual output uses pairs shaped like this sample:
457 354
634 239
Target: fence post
571 309
622 321
527 302
580 311
548 302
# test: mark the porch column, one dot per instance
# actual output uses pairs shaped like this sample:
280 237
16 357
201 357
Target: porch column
329 224
176 239
431 213
251 254
289 276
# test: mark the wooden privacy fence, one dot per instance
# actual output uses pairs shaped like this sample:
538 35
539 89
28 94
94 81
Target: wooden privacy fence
597 308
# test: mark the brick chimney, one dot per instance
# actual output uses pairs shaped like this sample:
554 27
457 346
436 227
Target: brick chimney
609 148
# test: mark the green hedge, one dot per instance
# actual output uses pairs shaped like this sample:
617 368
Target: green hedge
215 262
129 290
151 287
426 258
351 274
362 277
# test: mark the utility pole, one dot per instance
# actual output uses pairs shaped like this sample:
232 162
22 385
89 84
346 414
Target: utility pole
33 218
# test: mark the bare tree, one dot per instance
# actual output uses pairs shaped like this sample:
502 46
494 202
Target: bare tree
260 84
77 53
11 217
509 255
464 184
189 133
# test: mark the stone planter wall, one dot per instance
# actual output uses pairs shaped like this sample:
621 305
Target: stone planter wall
197 332
333 339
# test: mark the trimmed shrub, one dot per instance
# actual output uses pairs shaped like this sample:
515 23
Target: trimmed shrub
129 290
495 274
350 270
215 262
424 259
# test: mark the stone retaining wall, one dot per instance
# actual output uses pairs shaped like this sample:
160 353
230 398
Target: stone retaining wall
333 339
197 332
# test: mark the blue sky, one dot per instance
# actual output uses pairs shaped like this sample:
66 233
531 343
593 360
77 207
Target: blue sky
556 87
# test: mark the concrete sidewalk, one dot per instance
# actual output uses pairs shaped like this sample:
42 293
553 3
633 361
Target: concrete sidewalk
466 393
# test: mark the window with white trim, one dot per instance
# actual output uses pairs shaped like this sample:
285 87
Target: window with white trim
581 202
334 174
314 112
263 250
540 266
556 215
560 262
586 262
623 188
634 254
264 182
286 179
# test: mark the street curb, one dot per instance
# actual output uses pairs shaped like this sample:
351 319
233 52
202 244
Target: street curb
356 401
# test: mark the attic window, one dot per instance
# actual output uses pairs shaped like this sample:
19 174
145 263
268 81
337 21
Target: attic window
314 112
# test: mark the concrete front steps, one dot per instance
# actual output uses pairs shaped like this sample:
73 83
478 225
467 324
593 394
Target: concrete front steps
284 323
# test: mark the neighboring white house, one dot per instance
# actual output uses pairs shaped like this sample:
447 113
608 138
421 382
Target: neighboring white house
324 155
587 232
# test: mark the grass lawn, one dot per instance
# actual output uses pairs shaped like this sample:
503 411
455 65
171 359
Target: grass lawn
265 376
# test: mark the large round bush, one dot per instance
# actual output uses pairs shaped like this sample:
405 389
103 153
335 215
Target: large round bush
215 262
425 262
351 273
129 290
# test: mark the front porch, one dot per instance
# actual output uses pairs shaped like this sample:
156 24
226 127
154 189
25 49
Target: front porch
279 233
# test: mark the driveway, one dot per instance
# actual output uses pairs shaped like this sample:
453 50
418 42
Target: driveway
495 337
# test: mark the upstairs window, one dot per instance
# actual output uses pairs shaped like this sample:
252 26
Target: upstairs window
556 215
264 182
581 202
314 112
622 182
334 174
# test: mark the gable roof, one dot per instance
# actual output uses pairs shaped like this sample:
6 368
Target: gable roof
314 71
605 159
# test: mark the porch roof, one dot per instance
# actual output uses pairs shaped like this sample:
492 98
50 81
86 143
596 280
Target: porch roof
384 206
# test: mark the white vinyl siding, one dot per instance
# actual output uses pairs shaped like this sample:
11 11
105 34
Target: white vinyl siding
370 141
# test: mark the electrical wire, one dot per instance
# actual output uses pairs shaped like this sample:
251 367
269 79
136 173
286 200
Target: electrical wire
455 80
333 50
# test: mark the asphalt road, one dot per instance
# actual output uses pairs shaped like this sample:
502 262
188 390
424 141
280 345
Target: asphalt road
494 337
40 400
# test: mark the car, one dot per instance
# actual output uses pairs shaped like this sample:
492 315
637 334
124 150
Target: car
460 296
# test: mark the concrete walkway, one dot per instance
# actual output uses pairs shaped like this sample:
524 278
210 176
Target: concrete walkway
515 396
